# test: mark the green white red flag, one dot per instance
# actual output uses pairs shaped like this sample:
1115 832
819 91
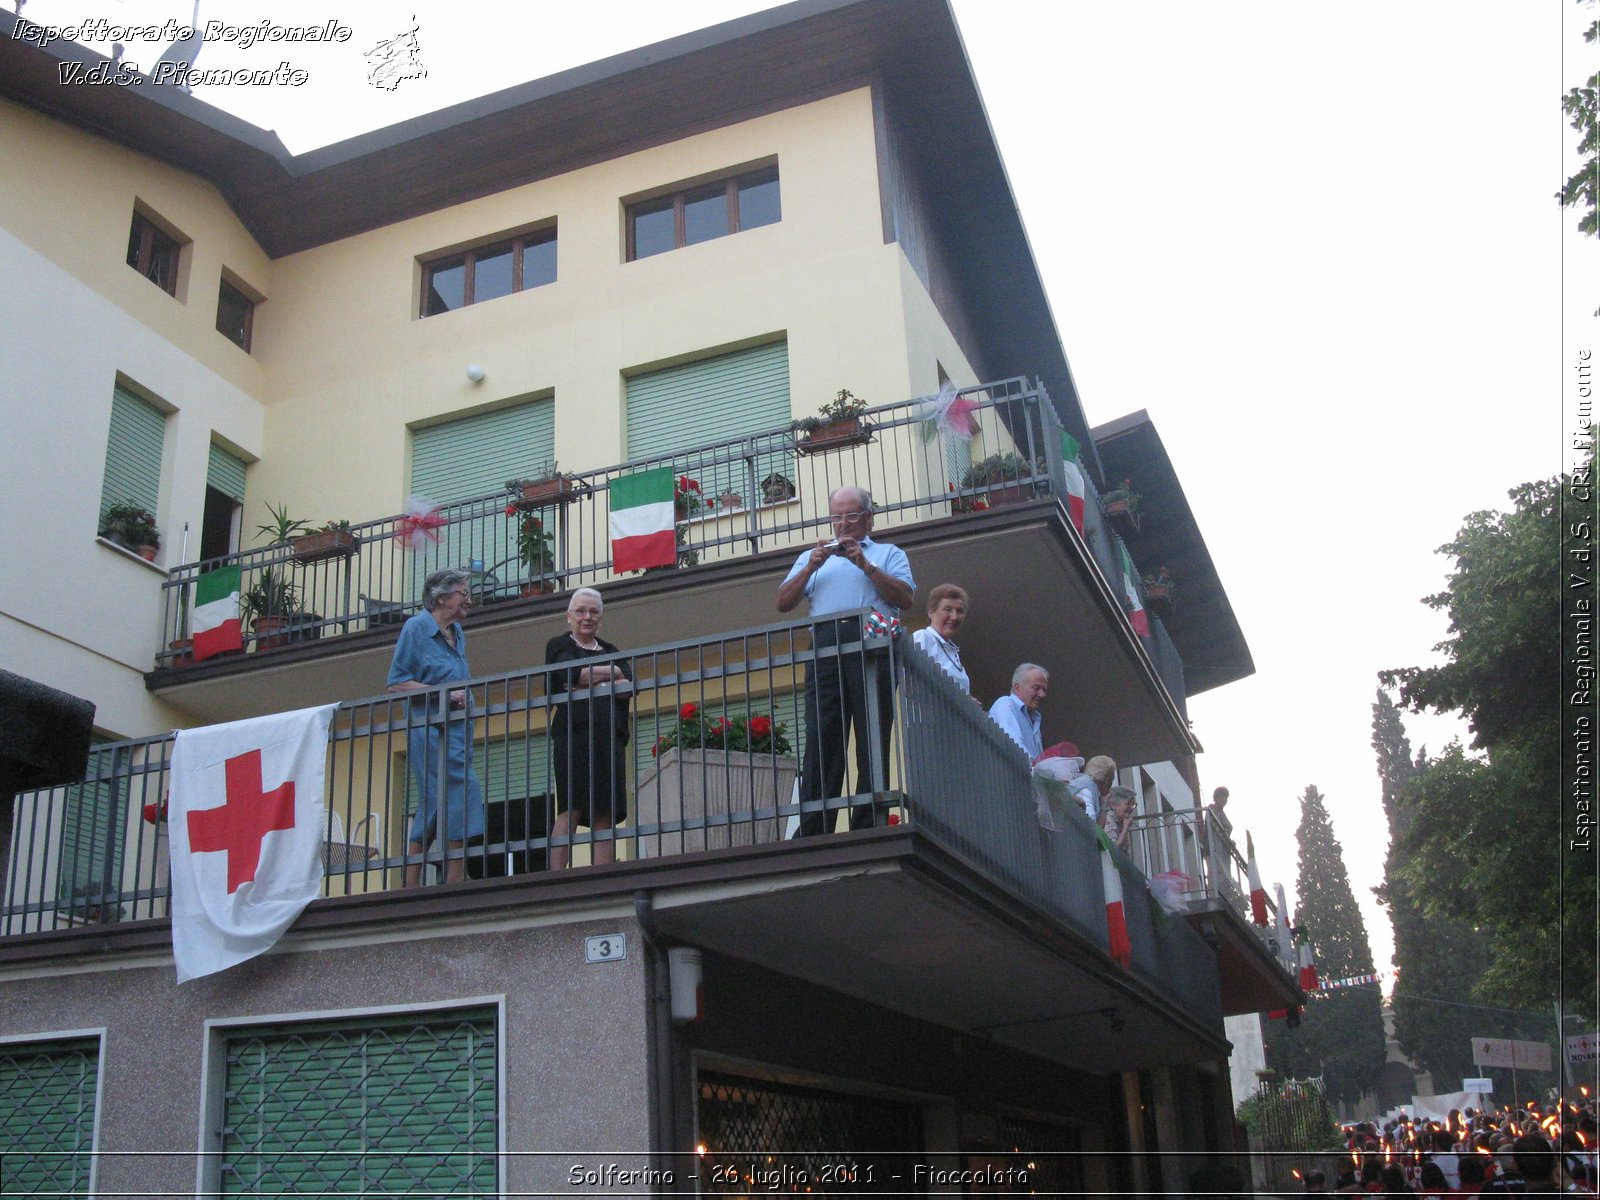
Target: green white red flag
643 521
215 622
1258 894
1075 493
246 821
1116 917
1130 595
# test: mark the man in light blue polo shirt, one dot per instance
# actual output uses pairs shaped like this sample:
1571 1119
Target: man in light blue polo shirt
1017 712
849 573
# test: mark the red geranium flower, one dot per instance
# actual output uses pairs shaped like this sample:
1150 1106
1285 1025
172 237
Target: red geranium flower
760 726
688 712
511 510
685 484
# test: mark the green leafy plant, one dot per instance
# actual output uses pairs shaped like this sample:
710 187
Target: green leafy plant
1123 494
757 734
843 407
535 544
281 527
130 524
272 594
1005 467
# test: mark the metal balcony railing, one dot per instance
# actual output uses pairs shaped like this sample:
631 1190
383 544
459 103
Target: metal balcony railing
95 852
766 491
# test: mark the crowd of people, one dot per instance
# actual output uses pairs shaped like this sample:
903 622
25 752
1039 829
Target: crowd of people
1539 1149
845 696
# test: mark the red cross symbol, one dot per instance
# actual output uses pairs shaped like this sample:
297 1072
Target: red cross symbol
248 816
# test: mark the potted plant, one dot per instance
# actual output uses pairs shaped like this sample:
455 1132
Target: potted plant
1121 506
546 486
133 527
536 548
271 604
729 500
777 488
334 540
282 528
716 767
998 475
837 423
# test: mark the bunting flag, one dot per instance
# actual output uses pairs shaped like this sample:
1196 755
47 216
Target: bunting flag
643 521
246 820
1075 493
1070 449
1116 918
1258 894
1308 967
1281 926
1130 595
215 622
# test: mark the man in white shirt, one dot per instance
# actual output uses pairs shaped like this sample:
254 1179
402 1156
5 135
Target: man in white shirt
1017 712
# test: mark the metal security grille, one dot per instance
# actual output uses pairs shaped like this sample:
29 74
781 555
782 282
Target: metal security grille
399 1105
1046 1156
47 1093
772 1137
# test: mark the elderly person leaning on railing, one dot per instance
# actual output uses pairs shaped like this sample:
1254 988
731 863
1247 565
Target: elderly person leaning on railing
1116 817
432 650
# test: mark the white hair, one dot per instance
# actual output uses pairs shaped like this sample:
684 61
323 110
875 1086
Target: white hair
599 600
1023 671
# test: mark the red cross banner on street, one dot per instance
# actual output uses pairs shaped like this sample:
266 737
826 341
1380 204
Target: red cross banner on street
246 821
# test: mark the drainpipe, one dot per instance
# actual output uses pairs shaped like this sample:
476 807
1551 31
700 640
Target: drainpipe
661 1074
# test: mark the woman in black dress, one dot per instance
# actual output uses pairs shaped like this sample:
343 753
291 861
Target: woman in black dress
589 735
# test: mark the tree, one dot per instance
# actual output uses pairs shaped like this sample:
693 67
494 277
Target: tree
1481 841
1582 106
1439 958
1340 1036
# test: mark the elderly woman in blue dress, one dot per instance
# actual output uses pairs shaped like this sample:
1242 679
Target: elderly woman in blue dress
432 650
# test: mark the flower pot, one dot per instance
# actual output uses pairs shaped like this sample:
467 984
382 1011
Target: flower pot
148 553
1008 493
851 431
541 587
546 492
1123 516
324 544
272 632
182 652
697 787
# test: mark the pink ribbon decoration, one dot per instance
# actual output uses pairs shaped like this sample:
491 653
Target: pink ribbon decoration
419 524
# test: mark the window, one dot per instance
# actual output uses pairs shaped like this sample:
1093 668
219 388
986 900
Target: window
133 454
235 314
401 1104
705 211
489 271
154 254
219 523
47 1091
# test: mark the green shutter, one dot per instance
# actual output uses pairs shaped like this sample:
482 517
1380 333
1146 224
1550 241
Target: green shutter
473 457
403 1104
509 770
225 473
92 831
707 401
47 1093
133 453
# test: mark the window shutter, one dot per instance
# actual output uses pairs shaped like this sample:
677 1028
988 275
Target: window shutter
93 816
392 1105
707 401
47 1092
225 473
133 453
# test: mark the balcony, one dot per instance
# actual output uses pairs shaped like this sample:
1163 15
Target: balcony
980 920
1210 882
1042 591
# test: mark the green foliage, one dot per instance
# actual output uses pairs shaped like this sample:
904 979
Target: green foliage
1290 1115
1340 1036
757 733
272 594
282 526
130 524
1440 958
1480 843
1582 107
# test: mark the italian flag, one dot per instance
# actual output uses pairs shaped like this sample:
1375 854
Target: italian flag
643 530
1130 595
1116 918
1258 894
1075 493
1308 968
216 613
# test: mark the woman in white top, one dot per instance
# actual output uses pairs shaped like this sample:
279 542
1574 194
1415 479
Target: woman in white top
947 609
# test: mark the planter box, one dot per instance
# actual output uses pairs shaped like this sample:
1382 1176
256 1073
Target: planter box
850 432
324 544
545 493
691 785
1123 517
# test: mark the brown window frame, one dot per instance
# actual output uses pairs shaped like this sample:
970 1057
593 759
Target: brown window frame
142 256
680 198
468 259
250 302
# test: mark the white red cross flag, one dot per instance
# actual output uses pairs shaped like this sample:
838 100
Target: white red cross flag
246 820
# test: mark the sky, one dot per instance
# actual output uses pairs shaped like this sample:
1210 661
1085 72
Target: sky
1316 243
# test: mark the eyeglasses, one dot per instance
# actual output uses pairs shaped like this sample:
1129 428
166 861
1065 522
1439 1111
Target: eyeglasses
461 595
847 518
